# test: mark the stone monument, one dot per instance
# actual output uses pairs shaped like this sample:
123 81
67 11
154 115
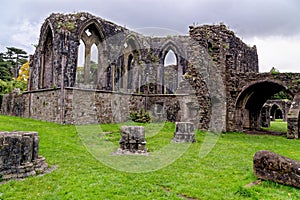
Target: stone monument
184 132
132 140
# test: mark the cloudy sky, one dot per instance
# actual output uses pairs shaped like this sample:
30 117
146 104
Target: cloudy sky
272 25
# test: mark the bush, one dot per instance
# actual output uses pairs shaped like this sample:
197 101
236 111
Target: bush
141 116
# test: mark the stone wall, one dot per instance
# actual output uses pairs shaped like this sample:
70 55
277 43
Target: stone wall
247 93
213 79
19 155
13 104
272 108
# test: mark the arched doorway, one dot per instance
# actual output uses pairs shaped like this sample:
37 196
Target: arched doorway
276 112
250 103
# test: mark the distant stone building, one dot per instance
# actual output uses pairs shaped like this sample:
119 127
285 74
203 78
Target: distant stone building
89 70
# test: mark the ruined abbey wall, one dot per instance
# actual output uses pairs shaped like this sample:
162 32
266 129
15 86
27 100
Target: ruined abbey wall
130 73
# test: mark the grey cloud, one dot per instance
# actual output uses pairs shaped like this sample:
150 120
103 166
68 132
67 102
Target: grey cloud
248 18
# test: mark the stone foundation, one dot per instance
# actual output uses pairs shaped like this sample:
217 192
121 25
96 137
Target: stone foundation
19 155
184 132
132 140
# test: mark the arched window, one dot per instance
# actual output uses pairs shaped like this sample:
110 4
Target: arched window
129 71
170 58
170 72
80 64
93 68
47 62
90 72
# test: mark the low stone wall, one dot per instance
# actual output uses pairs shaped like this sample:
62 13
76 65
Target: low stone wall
19 155
13 104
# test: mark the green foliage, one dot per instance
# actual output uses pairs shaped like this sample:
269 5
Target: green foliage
5 73
70 26
274 71
281 95
11 61
140 117
9 86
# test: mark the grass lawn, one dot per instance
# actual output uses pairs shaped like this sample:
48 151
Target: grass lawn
221 174
278 126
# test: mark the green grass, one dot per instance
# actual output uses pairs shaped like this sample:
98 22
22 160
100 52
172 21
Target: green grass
221 174
278 126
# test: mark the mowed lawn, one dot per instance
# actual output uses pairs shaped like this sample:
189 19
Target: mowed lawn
221 174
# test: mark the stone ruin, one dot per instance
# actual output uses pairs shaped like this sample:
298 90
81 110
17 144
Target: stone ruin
19 155
131 74
270 166
132 140
184 132
275 109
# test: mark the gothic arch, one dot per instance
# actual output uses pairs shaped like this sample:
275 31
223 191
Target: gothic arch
165 72
46 70
276 112
94 73
251 100
127 71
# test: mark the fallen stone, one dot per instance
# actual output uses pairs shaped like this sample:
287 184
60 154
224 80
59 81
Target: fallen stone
270 166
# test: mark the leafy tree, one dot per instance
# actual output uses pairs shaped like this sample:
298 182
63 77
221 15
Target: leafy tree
5 73
24 72
15 58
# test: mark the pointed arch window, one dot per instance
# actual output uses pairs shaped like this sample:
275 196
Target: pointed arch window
46 78
170 72
89 72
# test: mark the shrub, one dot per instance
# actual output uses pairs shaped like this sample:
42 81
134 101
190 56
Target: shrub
140 116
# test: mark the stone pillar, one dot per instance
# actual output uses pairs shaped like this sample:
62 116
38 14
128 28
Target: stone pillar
184 132
270 166
265 116
132 140
293 119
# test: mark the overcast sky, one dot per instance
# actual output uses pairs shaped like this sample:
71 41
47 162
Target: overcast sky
272 25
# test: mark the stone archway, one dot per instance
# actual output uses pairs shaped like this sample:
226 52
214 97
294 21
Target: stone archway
250 103
276 112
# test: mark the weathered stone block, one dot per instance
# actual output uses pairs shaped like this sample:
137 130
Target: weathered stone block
132 140
19 155
184 132
270 166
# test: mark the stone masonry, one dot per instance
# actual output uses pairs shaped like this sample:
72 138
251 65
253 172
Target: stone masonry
215 82
184 132
270 166
132 140
19 155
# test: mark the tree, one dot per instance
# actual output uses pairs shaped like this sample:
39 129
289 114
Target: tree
15 58
24 72
5 73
